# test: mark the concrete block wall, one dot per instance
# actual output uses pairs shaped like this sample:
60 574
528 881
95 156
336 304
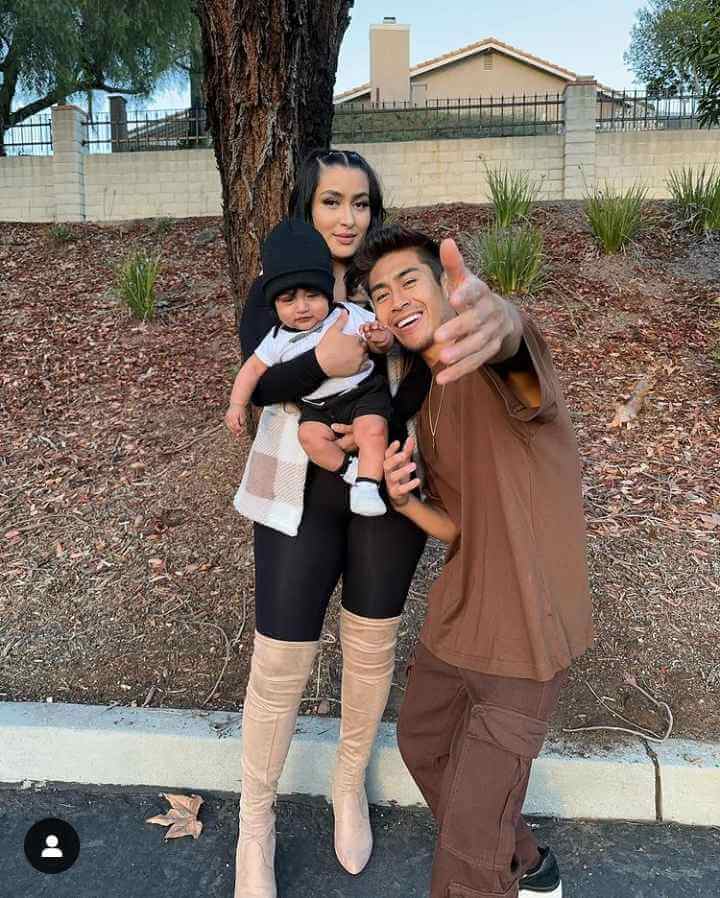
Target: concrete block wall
580 144
68 156
624 158
424 172
177 184
27 188
73 185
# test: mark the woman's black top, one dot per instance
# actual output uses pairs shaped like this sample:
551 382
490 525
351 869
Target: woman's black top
289 381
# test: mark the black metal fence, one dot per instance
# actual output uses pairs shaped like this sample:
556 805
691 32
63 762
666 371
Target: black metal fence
511 116
629 110
33 137
526 114
182 129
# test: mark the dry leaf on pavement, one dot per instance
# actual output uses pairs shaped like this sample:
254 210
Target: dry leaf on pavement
181 818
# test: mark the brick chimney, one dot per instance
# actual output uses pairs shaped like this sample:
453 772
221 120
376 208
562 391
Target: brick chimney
389 62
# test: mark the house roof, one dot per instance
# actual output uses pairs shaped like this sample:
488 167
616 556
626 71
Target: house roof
488 43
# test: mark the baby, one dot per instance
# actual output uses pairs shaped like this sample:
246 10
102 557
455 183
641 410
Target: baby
298 281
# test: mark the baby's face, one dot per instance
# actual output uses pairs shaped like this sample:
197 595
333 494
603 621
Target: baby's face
302 309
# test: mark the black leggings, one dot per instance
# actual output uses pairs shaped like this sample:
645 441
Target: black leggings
296 575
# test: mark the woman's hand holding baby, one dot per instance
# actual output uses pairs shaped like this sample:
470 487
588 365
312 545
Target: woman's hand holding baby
339 354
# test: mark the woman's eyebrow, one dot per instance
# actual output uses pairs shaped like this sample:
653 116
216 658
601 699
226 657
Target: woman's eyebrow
330 192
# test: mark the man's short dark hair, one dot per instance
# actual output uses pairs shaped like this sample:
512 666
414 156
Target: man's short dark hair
390 239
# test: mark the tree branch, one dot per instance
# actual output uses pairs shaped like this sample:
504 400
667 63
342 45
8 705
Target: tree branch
54 96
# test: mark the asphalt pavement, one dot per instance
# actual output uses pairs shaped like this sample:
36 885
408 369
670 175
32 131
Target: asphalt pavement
121 856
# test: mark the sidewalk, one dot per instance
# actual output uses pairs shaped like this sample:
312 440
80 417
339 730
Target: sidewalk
181 750
123 857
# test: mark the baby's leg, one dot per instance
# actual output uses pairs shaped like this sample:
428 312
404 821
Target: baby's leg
371 436
319 443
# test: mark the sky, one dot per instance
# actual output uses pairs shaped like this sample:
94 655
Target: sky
574 34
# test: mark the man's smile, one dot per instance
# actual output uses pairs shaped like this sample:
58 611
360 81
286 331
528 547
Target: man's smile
407 321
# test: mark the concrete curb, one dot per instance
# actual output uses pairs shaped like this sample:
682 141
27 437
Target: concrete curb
194 750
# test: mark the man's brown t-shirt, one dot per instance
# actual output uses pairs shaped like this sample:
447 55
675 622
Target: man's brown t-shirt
513 598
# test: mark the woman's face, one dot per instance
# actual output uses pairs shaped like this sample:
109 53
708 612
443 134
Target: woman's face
341 209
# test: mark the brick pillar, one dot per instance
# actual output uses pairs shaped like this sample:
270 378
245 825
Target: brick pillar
580 116
68 163
118 125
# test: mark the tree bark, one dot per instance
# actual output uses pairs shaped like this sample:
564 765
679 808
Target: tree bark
269 77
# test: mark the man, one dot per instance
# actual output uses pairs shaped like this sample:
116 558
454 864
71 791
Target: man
511 608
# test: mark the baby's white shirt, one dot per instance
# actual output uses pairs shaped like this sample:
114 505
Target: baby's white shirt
281 345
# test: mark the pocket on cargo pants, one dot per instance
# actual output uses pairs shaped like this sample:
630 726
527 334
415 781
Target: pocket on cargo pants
489 785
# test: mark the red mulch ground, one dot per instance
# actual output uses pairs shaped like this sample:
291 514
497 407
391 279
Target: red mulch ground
126 576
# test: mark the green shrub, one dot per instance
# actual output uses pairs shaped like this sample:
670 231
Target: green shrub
135 279
511 259
512 195
615 216
697 197
62 233
163 226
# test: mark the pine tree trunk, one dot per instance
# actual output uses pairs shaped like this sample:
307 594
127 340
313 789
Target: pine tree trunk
269 77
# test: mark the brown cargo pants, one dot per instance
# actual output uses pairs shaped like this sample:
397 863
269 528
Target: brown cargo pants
469 740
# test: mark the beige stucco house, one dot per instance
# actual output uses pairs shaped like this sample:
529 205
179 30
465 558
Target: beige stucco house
487 68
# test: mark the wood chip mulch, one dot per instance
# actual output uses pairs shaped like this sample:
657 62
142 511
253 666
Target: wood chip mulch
125 575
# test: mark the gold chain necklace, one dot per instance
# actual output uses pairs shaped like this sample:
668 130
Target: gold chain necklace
434 427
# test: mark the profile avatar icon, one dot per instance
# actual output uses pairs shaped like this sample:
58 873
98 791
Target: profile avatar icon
52 845
52 850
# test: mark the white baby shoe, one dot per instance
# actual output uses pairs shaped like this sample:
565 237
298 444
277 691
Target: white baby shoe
365 499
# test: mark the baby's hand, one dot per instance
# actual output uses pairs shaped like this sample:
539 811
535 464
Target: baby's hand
235 418
378 337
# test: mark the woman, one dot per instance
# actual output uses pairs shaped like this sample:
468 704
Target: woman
339 193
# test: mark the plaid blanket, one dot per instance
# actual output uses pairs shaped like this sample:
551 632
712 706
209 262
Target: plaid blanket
273 484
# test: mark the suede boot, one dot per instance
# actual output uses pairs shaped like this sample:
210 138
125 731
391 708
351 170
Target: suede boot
278 674
368 647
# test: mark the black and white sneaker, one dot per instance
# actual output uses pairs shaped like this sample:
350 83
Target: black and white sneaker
542 880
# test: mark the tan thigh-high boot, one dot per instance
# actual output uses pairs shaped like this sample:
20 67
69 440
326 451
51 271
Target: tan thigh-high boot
278 674
368 648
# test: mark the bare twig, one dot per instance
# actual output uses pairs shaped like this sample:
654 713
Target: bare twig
197 439
649 735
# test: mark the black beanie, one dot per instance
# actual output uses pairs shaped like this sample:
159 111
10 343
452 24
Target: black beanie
295 255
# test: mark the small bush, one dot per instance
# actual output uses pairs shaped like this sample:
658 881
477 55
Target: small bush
163 226
512 195
511 259
62 233
615 216
135 279
697 197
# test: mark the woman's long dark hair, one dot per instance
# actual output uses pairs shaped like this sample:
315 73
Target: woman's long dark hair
301 198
